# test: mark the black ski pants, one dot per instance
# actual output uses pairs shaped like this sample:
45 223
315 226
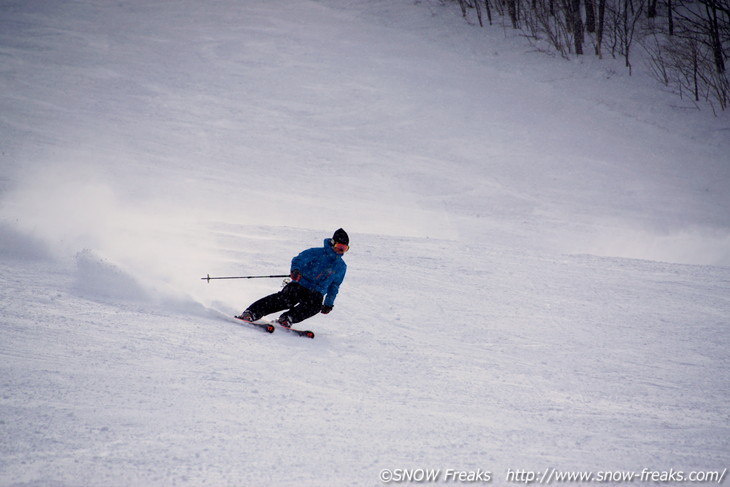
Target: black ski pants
300 301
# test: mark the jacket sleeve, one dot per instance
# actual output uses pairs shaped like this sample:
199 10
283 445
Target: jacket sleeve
334 286
301 260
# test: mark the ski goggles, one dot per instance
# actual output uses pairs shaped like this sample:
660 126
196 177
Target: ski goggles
340 248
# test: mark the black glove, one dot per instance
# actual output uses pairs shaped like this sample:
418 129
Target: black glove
295 275
326 309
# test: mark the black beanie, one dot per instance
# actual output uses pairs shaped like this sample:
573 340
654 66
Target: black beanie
340 236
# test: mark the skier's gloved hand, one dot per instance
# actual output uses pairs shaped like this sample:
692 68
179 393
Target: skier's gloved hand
326 309
295 275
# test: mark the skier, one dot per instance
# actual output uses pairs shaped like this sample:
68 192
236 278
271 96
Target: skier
316 275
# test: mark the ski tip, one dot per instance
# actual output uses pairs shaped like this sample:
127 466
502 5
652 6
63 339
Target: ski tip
309 334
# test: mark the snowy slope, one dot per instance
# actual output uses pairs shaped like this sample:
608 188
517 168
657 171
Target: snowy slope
539 274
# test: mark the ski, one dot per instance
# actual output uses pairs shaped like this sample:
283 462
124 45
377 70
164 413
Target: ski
262 325
270 326
301 333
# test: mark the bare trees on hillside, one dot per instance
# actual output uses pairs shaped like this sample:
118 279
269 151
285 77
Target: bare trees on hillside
687 41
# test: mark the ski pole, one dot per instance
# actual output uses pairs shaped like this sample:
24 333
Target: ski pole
208 278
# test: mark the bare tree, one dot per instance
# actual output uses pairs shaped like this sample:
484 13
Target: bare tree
590 7
689 57
577 24
599 30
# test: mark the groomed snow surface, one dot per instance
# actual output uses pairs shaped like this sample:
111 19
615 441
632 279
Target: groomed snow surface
539 275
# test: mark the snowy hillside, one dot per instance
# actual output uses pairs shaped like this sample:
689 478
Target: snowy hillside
539 273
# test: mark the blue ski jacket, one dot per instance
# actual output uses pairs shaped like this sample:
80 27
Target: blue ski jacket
322 270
